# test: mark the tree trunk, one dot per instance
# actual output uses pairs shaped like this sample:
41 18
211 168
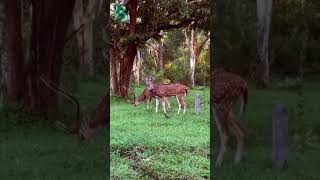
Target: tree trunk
199 48
192 57
126 63
12 60
264 8
126 66
83 17
113 68
156 50
304 43
49 27
161 54
100 116
136 67
2 16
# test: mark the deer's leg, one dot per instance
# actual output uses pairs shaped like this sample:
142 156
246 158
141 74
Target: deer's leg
223 135
168 102
150 103
178 99
183 102
238 132
157 104
163 104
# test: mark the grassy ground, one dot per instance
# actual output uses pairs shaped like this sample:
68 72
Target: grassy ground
304 148
146 145
31 148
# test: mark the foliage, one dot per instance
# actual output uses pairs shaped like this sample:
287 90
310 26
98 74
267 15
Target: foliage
155 16
292 23
177 60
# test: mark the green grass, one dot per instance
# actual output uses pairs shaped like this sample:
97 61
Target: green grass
146 145
31 148
304 150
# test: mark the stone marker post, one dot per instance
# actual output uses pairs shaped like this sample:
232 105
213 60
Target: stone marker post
197 104
279 135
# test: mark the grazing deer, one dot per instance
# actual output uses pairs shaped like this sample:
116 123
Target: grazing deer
163 91
147 96
227 89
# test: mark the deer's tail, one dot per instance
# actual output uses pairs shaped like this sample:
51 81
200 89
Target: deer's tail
185 94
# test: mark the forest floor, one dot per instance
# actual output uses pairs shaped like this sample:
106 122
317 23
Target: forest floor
32 148
304 132
146 145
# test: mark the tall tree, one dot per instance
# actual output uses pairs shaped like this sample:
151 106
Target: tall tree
84 14
153 18
156 50
2 16
50 20
12 63
137 66
113 67
264 8
196 47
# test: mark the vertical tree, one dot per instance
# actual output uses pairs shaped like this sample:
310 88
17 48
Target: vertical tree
12 60
137 66
264 17
84 14
196 47
126 64
2 16
113 67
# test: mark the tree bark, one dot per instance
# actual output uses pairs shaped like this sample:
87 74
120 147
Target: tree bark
136 67
126 63
192 57
2 16
12 60
264 8
113 68
49 27
125 70
100 116
83 17
199 48
161 53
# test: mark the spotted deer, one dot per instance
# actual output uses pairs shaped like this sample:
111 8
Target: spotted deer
163 91
147 96
227 89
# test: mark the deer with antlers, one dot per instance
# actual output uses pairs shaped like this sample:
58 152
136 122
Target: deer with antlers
163 91
227 90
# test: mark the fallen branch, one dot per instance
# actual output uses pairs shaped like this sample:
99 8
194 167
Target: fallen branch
52 86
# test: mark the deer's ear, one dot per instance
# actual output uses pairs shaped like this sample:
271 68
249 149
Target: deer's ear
152 78
143 79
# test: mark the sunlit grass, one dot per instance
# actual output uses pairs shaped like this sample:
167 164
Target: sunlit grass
31 148
147 145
